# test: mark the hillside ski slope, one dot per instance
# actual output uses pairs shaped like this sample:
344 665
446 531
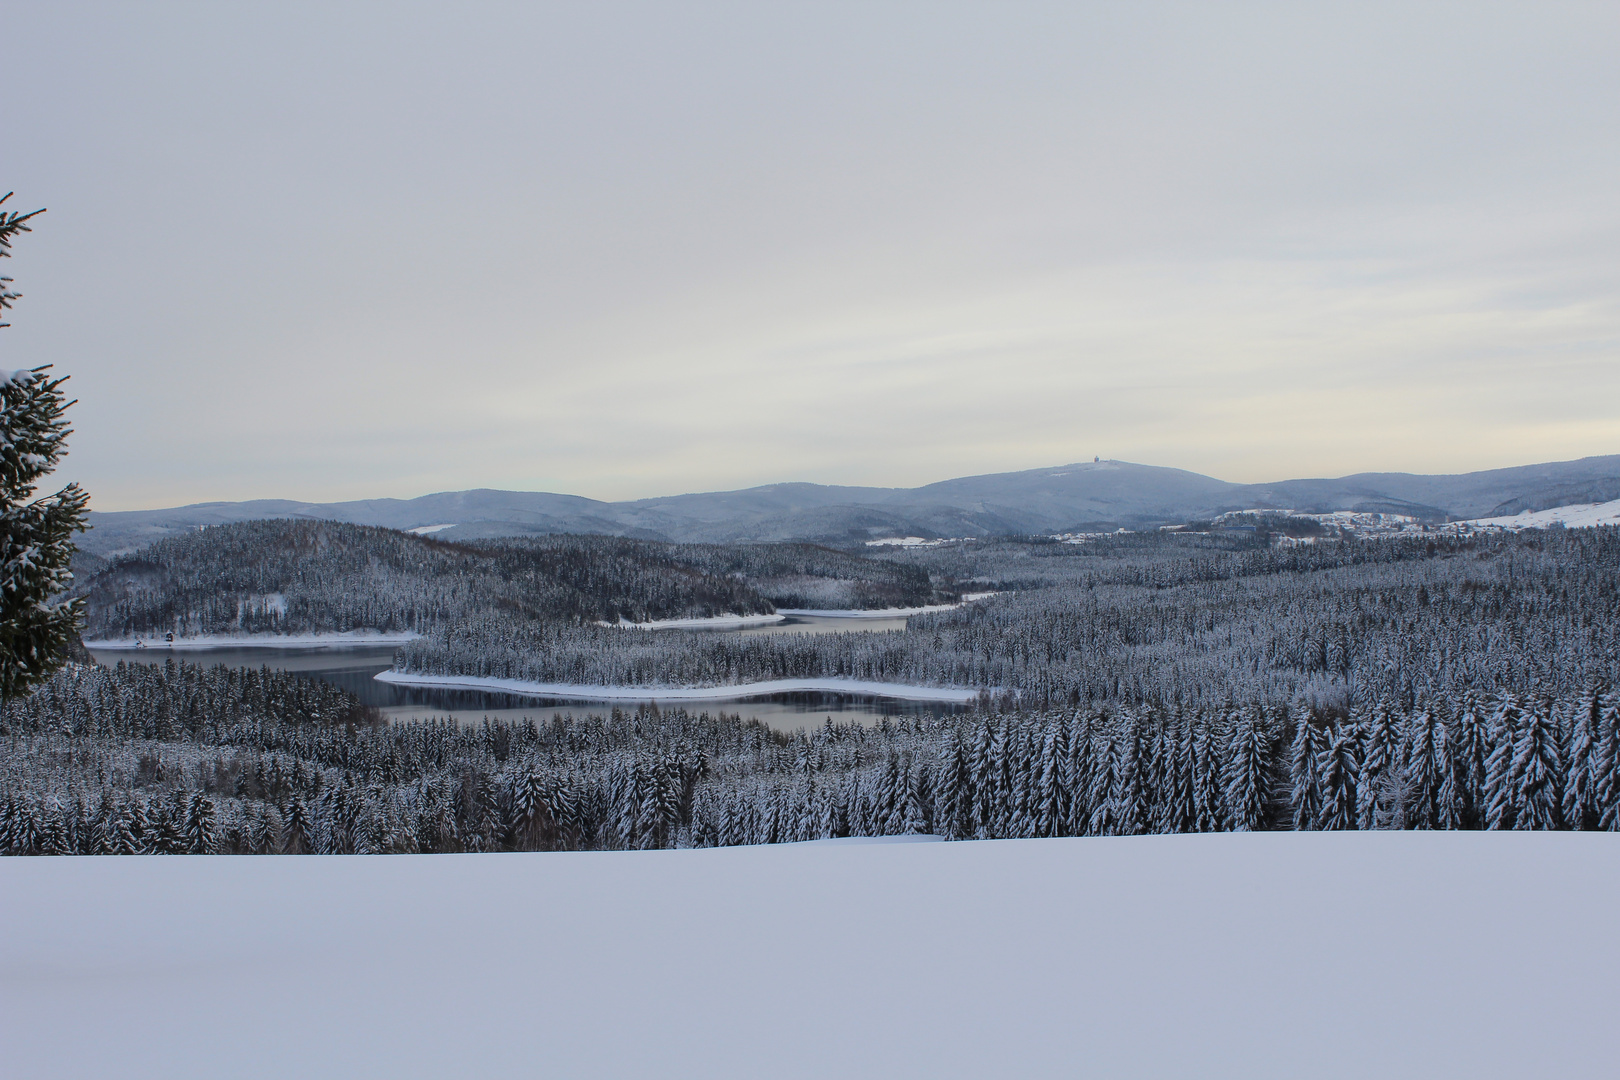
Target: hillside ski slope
1252 956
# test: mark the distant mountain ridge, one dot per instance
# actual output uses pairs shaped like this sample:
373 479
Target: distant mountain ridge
1088 496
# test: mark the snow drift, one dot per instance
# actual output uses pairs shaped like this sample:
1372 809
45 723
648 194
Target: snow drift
1250 956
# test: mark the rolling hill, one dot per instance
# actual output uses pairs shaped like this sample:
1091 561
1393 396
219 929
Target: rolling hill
1099 495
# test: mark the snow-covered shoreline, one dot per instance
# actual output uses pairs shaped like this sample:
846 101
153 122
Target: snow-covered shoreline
883 613
866 613
710 622
374 637
350 639
577 692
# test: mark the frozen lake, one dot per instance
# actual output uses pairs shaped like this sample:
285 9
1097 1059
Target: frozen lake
803 624
353 668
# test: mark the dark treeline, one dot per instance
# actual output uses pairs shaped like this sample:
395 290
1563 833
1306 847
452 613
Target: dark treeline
179 759
288 577
1162 620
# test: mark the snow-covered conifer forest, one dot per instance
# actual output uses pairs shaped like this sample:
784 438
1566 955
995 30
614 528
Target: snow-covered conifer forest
1154 618
286 577
180 759
1139 684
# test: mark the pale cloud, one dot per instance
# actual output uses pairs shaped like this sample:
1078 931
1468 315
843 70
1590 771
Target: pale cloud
620 251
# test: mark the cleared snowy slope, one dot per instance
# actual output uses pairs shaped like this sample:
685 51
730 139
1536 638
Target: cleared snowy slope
1252 956
1578 516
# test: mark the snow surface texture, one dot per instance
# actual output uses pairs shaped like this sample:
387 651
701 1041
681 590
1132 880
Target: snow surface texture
1252 956
262 641
576 692
1580 516
428 530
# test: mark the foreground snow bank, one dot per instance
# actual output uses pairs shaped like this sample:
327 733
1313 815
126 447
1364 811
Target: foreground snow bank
260 641
579 692
1256 956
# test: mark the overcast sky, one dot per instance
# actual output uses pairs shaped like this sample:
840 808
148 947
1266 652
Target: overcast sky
348 251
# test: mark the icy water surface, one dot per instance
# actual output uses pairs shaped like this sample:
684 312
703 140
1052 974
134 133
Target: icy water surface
352 668
802 624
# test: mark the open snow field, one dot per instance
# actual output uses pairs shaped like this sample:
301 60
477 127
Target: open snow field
1578 516
1231 955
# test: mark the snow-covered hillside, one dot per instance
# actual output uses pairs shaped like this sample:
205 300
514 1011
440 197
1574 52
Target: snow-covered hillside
1373 526
1249 956
1578 516
1062 499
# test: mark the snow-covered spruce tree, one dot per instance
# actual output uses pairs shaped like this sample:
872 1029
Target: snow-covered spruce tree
1498 793
950 793
1580 799
198 830
1606 764
1049 811
1468 742
1105 783
1177 802
1428 765
1338 768
1378 758
1209 802
1305 770
1247 765
918 794
1537 772
1077 775
36 535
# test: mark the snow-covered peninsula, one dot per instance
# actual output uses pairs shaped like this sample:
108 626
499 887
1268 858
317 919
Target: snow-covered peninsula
578 692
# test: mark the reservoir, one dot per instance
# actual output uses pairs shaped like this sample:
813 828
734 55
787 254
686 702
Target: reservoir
352 668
